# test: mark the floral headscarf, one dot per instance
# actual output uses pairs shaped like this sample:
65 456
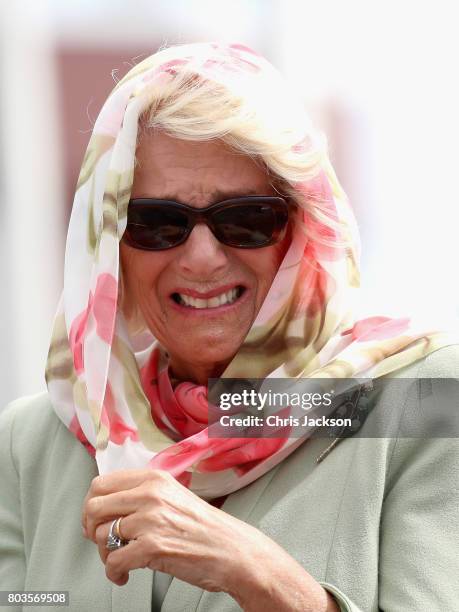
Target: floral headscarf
113 391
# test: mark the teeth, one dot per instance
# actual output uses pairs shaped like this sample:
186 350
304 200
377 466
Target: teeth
224 298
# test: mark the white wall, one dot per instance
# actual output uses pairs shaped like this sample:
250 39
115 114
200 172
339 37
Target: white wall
31 236
393 66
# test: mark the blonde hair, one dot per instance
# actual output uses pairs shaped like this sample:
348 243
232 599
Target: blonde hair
205 92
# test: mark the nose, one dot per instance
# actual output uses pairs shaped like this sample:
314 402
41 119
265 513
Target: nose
202 255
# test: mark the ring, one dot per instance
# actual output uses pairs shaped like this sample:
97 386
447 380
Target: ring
116 528
114 541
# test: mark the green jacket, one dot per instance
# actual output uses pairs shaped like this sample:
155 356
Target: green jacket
376 521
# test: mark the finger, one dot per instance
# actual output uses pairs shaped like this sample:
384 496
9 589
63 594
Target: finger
119 481
111 483
102 531
104 508
134 555
100 510
122 580
130 528
101 535
123 479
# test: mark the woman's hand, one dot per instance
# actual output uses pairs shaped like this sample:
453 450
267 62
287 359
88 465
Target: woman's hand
174 531
170 528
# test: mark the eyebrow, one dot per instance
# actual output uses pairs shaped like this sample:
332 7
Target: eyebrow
217 195
235 193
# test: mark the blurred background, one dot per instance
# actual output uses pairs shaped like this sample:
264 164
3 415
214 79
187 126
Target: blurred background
378 78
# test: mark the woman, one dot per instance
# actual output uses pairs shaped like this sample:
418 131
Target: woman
210 238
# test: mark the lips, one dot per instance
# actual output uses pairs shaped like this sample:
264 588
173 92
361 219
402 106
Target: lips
219 298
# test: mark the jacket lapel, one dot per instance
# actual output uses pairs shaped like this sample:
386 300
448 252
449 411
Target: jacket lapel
135 596
183 596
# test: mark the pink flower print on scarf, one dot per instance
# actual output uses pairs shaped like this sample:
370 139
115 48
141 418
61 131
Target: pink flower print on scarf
377 328
103 306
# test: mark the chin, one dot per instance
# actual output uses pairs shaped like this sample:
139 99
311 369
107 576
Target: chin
210 351
211 356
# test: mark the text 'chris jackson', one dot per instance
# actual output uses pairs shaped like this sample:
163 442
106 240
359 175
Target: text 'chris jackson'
274 420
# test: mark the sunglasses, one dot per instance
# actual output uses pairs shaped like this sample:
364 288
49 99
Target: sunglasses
248 222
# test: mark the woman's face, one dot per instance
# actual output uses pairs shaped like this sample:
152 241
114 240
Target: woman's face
200 341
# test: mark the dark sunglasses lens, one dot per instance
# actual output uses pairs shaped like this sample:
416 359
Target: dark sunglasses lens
155 228
249 225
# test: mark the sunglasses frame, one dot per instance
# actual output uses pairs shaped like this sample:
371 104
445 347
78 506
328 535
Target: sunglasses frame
204 215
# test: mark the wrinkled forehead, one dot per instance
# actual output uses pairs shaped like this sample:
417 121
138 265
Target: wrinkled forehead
196 172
